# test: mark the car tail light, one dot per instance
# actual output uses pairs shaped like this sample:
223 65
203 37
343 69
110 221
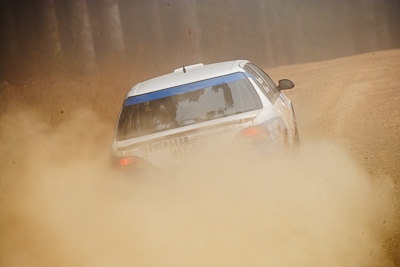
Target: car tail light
130 161
255 131
125 161
252 131
255 135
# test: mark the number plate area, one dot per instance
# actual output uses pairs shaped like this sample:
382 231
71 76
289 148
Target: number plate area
171 151
187 150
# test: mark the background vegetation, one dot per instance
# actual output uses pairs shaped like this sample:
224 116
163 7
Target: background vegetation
156 36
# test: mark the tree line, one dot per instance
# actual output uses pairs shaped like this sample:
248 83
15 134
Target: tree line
164 34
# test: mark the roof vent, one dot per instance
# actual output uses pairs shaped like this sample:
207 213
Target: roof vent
184 69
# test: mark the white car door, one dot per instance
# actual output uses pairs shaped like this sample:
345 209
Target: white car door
277 98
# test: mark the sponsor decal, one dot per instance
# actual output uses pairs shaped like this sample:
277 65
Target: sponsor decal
183 88
172 143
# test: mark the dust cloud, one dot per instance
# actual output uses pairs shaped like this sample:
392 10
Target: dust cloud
63 205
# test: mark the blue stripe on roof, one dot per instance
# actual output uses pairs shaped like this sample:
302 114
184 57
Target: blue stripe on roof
250 75
184 88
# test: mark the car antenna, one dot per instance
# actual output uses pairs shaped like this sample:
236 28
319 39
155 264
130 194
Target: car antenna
184 70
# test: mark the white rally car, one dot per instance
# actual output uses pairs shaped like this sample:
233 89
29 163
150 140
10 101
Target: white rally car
169 119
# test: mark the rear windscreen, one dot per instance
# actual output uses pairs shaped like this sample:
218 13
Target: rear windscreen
185 105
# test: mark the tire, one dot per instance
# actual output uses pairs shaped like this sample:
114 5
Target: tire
296 142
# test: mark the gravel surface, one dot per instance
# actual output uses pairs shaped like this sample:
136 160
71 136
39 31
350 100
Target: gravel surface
61 204
354 101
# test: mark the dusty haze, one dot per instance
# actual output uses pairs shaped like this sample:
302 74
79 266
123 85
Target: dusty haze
65 67
63 206
331 205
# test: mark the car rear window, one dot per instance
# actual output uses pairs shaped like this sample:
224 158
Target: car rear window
186 104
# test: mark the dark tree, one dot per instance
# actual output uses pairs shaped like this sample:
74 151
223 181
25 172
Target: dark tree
112 28
8 45
84 52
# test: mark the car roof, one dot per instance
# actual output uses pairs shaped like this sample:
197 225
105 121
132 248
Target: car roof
186 75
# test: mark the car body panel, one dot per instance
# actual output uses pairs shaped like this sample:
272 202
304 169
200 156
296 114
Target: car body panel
192 75
173 146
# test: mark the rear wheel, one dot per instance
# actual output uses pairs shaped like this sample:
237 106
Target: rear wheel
286 142
296 141
296 137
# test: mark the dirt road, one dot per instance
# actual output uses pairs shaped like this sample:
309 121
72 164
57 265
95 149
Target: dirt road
354 101
61 204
